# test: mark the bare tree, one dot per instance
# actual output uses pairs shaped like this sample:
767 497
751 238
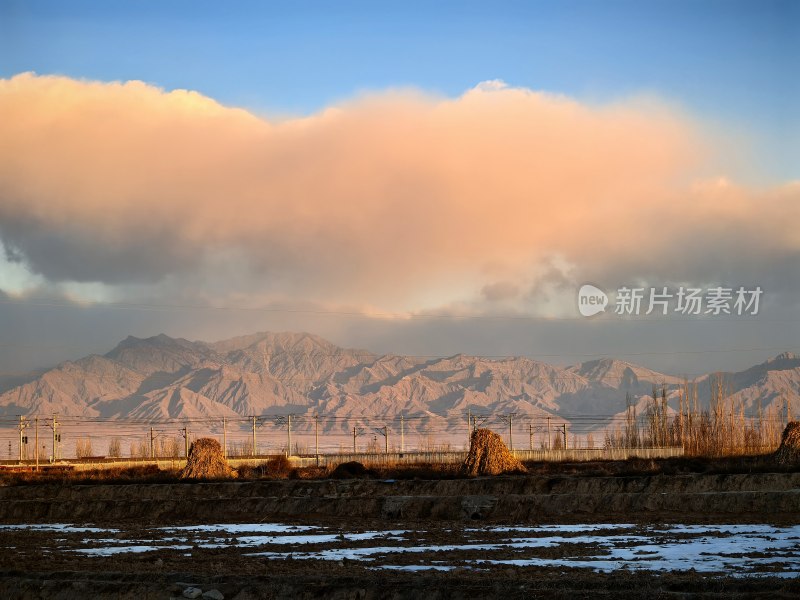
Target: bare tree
115 447
83 448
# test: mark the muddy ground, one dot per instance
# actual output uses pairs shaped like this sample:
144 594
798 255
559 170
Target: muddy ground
45 565
517 499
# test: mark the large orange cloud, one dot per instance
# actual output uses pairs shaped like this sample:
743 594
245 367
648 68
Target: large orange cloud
376 201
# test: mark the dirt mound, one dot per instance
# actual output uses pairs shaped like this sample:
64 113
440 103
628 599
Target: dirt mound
488 455
206 461
788 453
350 470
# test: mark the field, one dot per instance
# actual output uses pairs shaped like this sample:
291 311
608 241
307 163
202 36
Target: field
635 528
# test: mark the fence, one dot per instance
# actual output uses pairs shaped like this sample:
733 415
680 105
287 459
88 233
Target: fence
655 432
571 454
375 458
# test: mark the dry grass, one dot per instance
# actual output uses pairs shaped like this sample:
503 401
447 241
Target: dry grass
488 455
206 461
64 476
277 467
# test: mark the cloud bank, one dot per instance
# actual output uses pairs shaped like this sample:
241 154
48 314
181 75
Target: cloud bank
397 200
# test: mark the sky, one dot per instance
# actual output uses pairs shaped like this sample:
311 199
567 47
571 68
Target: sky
420 178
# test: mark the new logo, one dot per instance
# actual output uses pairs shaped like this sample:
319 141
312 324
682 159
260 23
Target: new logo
591 300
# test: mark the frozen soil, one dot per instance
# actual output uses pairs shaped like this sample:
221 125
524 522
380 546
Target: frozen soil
368 560
632 536
513 499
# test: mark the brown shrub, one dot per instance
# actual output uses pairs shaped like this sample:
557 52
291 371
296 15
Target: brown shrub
206 461
278 466
488 455
788 453
351 470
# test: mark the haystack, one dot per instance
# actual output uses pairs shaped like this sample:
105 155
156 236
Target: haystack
488 455
206 461
788 453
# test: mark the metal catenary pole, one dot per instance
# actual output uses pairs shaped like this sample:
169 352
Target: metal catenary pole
55 427
316 437
22 426
37 443
289 435
254 435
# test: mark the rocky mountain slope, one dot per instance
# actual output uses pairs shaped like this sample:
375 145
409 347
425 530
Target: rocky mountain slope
279 373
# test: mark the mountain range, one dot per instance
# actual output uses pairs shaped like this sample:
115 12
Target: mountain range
161 378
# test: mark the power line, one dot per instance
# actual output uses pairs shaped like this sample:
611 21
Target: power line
152 306
534 380
309 418
378 358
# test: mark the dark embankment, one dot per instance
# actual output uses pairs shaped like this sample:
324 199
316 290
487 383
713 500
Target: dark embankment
349 583
729 497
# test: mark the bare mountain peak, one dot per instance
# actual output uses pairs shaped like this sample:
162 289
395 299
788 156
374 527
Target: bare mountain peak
604 363
784 357
279 341
617 372
161 340
160 353
267 372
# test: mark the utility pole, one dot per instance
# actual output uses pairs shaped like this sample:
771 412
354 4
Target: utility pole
402 434
354 440
254 435
22 426
565 435
224 437
509 418
55 435
289 435
152 445
186 441
469 427
386 433
549 440
36 450
530 435
316 437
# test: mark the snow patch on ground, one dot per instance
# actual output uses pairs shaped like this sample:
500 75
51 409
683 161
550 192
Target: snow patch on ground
741 550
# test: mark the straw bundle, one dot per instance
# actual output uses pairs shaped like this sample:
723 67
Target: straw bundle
488 455
788 453
206 461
